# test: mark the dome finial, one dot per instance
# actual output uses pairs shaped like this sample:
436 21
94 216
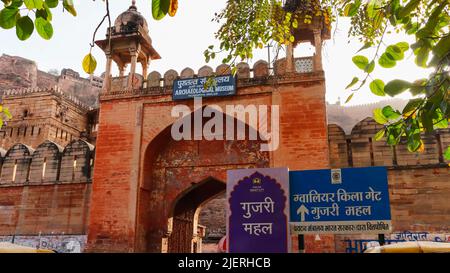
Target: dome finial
133 5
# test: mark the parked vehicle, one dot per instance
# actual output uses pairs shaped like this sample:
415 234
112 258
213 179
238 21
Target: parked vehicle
6 247
411 247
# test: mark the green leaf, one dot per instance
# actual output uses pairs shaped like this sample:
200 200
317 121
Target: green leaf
34 4
52 3
379 117
414 143
405 11
8 17
447 153
395 52
377 87
365 46
418 87
396 87
386 61
441 123
412 28
422 56
427 121
432 21
372 8
24 28
390 113
16 3
160 8
44 28
442 48
394 134
403 46
354 81
89 64
68 5
360 61
378 136
349 98
44 13
412 106
370 67
352 8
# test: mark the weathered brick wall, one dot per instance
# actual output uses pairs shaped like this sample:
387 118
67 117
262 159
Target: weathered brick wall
45 209
35 194
418 182
43 114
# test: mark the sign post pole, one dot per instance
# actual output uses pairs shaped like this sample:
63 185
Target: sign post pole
381 239
301 243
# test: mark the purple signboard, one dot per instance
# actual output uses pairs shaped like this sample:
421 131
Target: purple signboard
258 209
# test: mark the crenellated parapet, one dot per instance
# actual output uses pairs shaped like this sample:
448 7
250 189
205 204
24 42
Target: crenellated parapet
360 149
261 73
49 163
56 90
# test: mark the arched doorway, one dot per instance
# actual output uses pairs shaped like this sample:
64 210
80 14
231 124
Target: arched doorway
179 177
185 236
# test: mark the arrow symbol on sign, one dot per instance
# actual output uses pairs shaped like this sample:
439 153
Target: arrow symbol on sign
301 211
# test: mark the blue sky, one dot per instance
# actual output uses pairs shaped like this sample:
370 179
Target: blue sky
181 40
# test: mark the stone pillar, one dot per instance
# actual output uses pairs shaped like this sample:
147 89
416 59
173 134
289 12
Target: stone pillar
107 85
318 46
122 70
132 69
144 73
290 59
145 70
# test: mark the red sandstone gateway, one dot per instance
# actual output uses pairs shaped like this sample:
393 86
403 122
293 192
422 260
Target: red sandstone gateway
150 198
135 189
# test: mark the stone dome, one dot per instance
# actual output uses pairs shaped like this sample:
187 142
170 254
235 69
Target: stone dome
131 18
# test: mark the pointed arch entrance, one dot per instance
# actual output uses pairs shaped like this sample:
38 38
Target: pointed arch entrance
185 234
181 176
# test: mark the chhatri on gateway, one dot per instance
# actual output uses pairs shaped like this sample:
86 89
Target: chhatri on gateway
81 175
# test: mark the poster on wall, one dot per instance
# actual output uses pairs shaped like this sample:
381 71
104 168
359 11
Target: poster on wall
258 210
340 201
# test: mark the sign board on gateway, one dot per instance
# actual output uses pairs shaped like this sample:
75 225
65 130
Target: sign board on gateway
195 87
340 201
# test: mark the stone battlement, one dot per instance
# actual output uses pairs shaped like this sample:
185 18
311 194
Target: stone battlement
259 74
56 90
48 163
359 148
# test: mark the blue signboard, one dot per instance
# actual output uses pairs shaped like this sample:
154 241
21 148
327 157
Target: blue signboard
340 201
192 88
258 208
